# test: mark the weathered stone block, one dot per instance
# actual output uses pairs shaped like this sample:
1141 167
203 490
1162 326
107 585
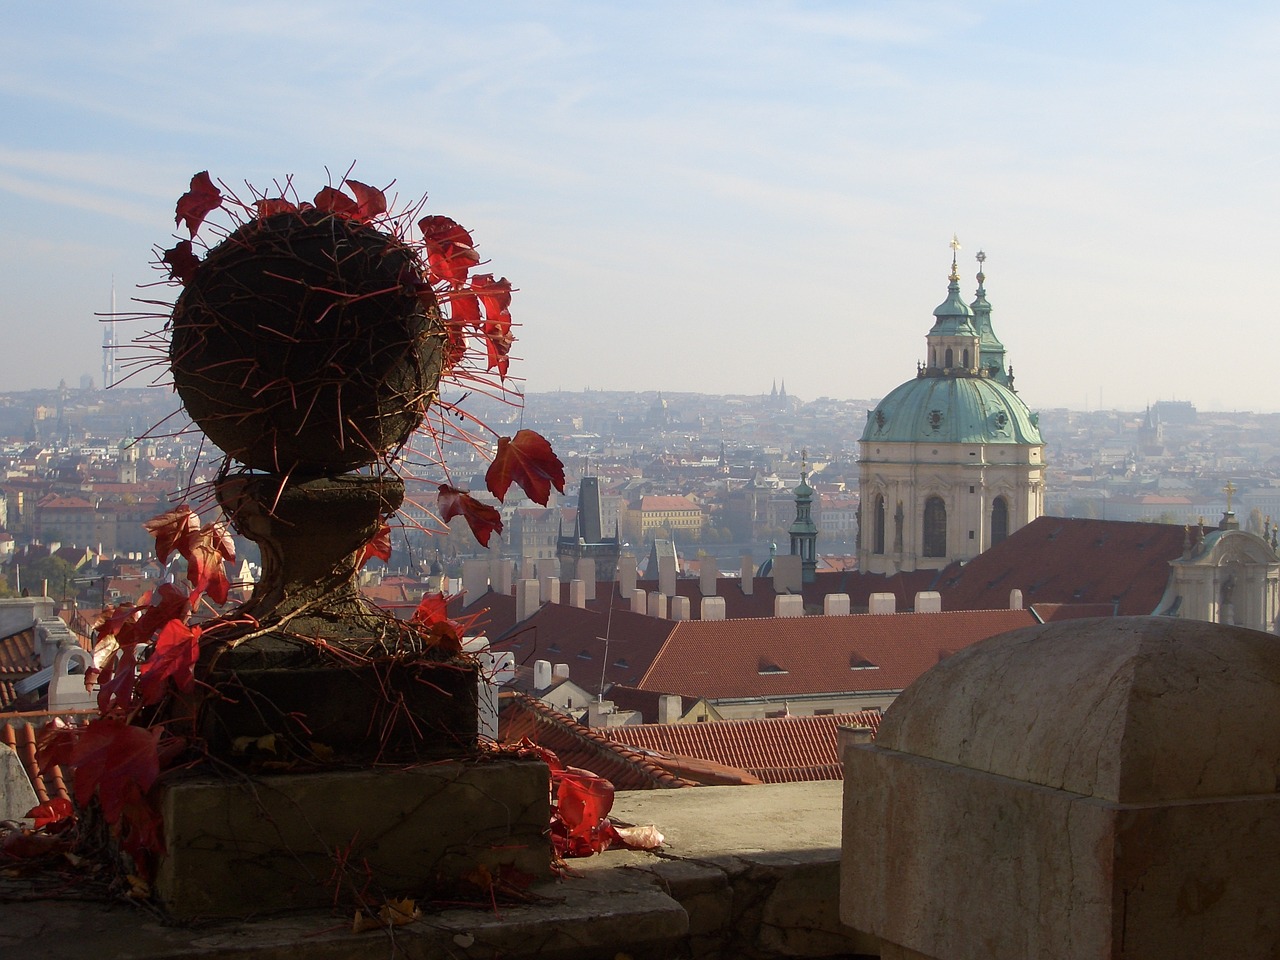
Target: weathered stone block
270 843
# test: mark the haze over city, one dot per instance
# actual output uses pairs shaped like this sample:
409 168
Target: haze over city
699 196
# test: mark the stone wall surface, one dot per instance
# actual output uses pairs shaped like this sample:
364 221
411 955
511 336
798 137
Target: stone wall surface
1090 789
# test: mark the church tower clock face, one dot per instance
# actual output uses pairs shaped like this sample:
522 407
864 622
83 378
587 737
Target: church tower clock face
981 443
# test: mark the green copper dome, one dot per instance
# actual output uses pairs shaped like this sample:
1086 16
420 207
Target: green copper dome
952 410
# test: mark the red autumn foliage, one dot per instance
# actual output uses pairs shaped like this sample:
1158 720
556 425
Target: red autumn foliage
438 630
174 658
495 295
270 206
481 518
329 200
198 202
205 552
170 529
182 261
450 251
110 758
379 546
580 825
51 812
433 608
204 548
497 341
464 308
370 201
527 459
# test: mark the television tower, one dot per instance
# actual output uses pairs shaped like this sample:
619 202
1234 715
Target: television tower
109 343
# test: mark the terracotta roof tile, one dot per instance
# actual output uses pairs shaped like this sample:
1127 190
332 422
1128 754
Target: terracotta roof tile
1058 560
781 750
524 717
21 735
777 658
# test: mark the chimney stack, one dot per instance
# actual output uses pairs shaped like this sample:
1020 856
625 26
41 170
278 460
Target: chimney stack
928 601
667 575
708 573
658 605
541 674
713 608
587 574
748 575
627 574
1015 599
527 599
788 605
882 603
679 608
835 605
577 594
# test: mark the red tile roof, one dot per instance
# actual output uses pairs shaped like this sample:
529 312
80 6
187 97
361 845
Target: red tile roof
781 750
777 658
1057 560
21 735
523 717
564 634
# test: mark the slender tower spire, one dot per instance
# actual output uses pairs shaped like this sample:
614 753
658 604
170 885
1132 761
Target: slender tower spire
109 342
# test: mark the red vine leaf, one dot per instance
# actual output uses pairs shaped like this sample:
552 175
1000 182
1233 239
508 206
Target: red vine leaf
171 529
481 518
205 550
270 206
379 546
169 601
51 811
182 261
498 340
116 682
433 608
370 201
495 295
176 651
527 459
198 202
464 308
110 757
450 251
336 202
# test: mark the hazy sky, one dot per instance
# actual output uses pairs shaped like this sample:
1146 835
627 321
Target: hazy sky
696 195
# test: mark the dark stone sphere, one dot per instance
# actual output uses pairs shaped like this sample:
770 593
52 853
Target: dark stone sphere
301 345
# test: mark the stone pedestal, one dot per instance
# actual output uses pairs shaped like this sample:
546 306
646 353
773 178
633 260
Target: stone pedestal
264 844
1090 789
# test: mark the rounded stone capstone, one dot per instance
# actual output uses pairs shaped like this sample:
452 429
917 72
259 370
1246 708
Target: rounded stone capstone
1125 709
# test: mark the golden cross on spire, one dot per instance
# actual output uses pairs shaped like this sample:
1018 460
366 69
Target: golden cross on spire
955 249
1229 489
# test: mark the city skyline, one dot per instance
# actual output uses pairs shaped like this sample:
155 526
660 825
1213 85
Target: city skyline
707 197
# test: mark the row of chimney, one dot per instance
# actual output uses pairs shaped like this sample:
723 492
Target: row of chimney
542 584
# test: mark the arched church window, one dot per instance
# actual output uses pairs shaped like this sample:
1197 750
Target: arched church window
966 359
935 528
950 357
877 543
999 520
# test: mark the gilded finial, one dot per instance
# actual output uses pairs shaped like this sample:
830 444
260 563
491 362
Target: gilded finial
1229 489
955 249
982 277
